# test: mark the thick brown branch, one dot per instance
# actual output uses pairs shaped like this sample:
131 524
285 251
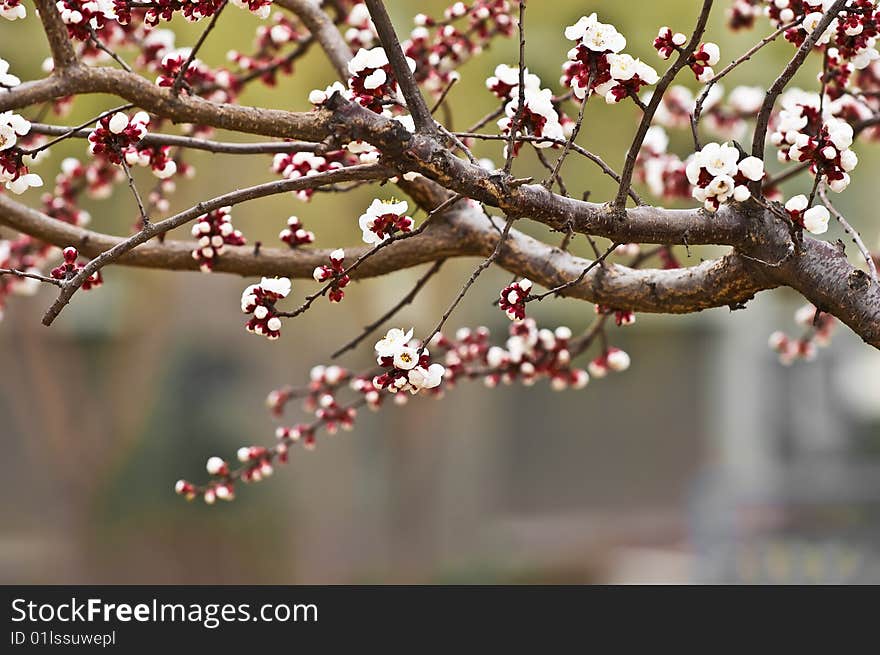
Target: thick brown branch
309 126
56 33
441 240
731 280
460 233
824 276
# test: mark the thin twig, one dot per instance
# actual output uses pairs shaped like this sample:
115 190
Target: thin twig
785 175
155 139
458 144
782 81
473 278
403 302
851 231
571 139
394 238
491 116
33 276
562 287
100 46
596 159
145 220
443 94
547 165
581 344
242 81
77 131
181 74
521 94
228 199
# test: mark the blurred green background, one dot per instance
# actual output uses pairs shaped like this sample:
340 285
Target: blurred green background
705 462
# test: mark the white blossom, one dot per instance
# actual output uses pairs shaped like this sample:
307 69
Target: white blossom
392 342
280 286
11 127
816 219
7 79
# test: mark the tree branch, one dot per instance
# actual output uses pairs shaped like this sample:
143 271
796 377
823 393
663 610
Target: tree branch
421 153
746 56
193 143
457 233
414 100
309 126
824 276
56 34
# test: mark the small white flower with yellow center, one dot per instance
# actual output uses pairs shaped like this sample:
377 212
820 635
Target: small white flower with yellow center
395 339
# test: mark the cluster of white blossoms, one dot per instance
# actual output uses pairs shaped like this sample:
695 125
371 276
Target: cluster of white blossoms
512 300
596 63
259 8
628 76
613 359
668 41
539 118
800 111
408 367
383 219
319 96
718 175
259 300
361 32
92 13
374 60
855 33
505 82
12 9
806 130
529 354
704 58
819 328
372 80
